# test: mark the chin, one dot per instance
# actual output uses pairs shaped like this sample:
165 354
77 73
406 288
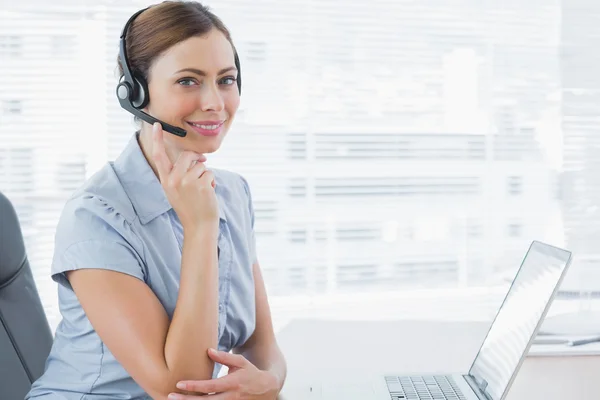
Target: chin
207 150
207 145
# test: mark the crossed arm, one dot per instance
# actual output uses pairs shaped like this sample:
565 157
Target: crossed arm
257 370
159 354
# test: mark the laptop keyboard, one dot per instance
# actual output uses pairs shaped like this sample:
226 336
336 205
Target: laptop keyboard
423 388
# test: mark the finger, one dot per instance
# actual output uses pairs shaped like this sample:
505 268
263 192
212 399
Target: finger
219 396
184 163
163 164
194 173
179 396
219 385
201 158
207 178
222 357
225 396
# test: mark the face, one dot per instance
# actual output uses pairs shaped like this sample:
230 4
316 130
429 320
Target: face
193 85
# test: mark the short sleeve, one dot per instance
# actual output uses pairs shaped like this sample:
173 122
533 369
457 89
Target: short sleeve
93 235
251 233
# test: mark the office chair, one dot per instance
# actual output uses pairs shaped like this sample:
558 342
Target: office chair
25 335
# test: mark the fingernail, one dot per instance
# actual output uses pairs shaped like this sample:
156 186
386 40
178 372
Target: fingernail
173 396
155 126
213 351
181 385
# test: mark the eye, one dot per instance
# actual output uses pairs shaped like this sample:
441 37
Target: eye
229 80
186 82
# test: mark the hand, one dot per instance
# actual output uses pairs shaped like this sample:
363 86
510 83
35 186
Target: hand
243 382
189 186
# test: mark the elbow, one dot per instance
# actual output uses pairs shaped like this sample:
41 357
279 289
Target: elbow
162 388
164 383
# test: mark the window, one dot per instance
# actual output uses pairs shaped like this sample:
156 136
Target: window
297 188
12 107
17 175
62 45
297 146
394 146
357 233
352 276
10 46
297 279
364 175
515 230
475 230
70 175
389 188
515 185
256 51
441 272
297 236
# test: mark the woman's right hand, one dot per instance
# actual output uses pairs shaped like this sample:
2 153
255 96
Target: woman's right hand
189 186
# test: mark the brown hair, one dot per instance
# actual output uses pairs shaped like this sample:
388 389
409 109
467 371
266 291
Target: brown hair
164 25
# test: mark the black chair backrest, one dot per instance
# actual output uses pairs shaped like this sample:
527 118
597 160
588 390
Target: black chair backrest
25 335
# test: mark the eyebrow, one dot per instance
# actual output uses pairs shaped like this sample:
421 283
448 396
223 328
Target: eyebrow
202 73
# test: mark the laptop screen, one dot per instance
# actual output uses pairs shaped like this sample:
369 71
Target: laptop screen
517 320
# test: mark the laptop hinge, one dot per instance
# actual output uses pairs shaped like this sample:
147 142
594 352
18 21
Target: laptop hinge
480 390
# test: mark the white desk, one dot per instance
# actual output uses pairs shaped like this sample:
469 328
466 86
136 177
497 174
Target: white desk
344 351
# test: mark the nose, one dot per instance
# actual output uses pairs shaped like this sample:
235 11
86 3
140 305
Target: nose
211 99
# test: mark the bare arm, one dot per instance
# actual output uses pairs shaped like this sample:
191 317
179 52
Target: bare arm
131 321
194 326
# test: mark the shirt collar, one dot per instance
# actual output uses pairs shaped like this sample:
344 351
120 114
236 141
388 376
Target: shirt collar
142 185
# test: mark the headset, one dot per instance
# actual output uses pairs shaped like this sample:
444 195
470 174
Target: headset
132 90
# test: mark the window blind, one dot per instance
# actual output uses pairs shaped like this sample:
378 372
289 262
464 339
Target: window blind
390 145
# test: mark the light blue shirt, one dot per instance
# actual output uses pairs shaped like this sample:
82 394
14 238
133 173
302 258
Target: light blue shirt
121 220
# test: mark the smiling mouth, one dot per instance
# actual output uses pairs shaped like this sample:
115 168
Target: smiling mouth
207 129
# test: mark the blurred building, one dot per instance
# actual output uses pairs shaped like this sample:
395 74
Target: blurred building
580 62
388 144
44 119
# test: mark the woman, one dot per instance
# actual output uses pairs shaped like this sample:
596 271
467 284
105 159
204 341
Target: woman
155 255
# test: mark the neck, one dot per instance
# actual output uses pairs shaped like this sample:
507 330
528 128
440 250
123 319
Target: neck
144 139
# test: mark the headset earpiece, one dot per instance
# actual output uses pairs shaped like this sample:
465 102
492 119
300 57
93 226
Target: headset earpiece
140 93
123 90
137 96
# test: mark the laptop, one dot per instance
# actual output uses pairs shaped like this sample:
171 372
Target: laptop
503 350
